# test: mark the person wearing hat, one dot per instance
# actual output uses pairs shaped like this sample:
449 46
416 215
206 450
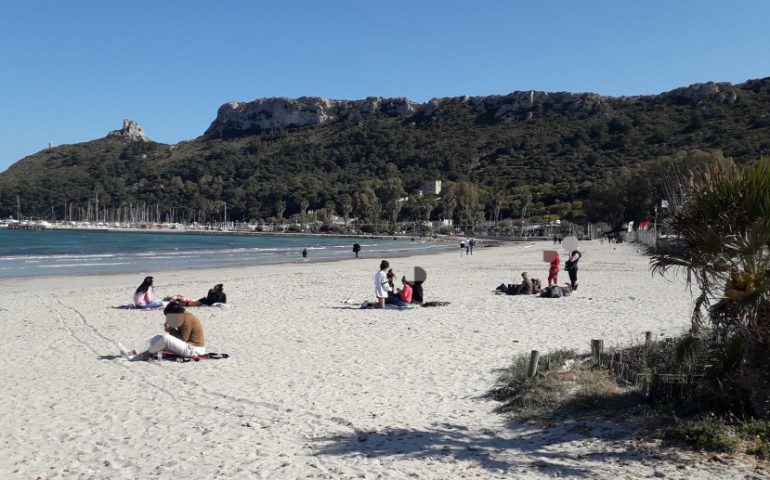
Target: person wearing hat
184 336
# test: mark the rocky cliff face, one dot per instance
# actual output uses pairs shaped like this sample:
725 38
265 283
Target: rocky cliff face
131 131
237 118
710 91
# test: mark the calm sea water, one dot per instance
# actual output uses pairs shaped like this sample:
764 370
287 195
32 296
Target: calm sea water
43 253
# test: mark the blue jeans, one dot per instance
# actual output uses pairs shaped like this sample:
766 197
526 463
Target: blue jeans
395 300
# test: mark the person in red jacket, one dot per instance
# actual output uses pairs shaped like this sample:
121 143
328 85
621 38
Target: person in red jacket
553 271
406 291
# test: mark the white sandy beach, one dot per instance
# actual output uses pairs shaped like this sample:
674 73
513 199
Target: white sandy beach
316 390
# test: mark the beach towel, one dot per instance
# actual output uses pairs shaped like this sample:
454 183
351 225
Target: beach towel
435 304
171 357
374 305
131 306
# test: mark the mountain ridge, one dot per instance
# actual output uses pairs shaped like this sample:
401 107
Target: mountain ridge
556 147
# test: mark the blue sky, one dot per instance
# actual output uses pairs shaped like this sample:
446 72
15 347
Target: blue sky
71 71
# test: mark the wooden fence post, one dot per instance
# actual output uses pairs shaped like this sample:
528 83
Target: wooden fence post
533 359
597 346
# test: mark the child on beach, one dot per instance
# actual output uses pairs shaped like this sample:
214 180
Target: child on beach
143 296
553 271
184 336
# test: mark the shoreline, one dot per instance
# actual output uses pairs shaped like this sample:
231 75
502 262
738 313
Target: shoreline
427 246
10 282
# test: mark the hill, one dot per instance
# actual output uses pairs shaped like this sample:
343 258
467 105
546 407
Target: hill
527 153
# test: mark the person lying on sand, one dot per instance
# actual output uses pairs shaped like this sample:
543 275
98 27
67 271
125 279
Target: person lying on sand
557 291
183 337
215 295
524 288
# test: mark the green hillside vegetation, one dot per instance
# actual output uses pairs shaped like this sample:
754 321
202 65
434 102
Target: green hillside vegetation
604 167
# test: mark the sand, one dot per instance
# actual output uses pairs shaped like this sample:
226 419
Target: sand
315 389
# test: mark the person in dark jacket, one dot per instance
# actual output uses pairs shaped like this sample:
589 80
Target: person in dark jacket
571 266
525 288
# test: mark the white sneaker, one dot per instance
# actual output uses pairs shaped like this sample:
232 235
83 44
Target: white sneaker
124 352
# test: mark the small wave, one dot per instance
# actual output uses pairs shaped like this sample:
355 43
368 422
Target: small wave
71 265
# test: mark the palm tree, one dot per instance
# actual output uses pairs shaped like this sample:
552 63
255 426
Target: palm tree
303 204
346 206
723 220
280 208
448 205
496 198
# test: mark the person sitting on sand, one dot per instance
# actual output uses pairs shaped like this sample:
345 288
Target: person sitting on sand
525 288
143 297
215 295
391 287
184 336
405 294
394 298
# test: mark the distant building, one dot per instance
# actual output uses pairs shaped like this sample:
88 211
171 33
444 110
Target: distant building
432 187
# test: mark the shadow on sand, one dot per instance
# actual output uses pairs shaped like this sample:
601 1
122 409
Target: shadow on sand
518 446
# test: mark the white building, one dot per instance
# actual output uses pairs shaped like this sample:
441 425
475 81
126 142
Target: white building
432 187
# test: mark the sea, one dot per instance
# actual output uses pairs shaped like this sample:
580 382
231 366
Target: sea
80 252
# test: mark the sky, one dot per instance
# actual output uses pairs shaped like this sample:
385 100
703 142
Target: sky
71 71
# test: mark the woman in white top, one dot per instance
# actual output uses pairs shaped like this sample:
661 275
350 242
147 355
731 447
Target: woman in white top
381 283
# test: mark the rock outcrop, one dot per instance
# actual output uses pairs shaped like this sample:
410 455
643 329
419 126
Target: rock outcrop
526 105
131 131
236 118
709 91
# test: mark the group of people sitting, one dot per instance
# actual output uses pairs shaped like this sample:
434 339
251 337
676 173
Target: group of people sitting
553 290
388 293
183 335
144 296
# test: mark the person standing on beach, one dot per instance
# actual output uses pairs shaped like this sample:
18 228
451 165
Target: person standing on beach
381 284
462 246
143 296
471 244
183 337
553 271
356 248
304 253
571 266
